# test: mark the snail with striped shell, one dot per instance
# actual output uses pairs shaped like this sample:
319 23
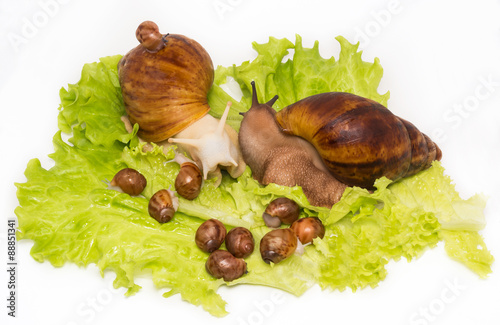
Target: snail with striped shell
329 141
165 82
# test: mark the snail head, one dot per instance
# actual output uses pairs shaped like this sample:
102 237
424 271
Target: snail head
258 106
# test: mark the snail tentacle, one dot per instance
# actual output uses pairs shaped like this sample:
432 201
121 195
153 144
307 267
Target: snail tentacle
213 148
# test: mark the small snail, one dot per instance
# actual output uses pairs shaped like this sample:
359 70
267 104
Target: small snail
210 235
130 181
281 210
222 264
307 229
189 180
165 82
329 141
277 245
240 242
163 205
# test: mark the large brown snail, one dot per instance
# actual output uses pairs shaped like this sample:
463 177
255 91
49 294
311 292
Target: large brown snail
165 82
329 141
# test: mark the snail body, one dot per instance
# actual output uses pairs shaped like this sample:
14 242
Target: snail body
165 82
329 141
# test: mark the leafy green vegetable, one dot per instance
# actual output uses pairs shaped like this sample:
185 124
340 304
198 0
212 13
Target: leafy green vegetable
72 216
304 75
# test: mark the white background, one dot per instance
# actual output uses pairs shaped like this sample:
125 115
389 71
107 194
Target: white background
441 63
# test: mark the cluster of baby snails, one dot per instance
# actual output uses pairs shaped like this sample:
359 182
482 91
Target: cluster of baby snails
227 264
280 243
164 203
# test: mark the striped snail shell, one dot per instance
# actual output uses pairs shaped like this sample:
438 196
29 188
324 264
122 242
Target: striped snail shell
165 81
358 139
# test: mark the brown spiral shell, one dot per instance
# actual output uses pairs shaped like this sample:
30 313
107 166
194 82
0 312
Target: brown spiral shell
277 245
165 81
188 181
359 139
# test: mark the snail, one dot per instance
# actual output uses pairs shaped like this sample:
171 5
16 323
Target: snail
165 82
189 180
240 242
162 205
210 235
329 141
130 181
277 245
222 264
281 210
307 229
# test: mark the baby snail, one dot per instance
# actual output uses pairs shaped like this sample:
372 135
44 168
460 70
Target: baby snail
240 242
163 205
308 228
222 264
281 210
277 245
130 181
189 179
210 235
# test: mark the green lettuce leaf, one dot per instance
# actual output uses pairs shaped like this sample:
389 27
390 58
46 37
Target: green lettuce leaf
72 215
306 74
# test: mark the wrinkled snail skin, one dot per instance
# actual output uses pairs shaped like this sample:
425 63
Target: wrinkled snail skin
329 141
165 89
276 157
358 139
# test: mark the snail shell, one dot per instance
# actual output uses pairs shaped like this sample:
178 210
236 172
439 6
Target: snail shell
277 245
188 181
283 209
163 205
308 228
210 235
358 139
165 81
222 264
240 242
130 181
